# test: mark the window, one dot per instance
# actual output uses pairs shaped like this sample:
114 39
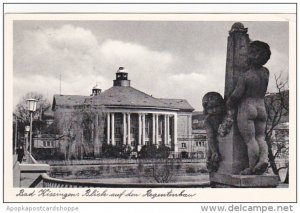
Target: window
118 119
118 130
44 143
160 127
183 145
132 130
197 143
48 143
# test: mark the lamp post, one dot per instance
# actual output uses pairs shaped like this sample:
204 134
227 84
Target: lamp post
31 107
27 129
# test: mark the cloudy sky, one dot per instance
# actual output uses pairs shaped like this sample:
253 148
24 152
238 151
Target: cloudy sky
164 59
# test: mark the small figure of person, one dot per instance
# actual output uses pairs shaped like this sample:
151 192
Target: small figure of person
248 98
214 109
20 153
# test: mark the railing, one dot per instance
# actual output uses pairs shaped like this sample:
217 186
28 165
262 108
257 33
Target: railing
49 182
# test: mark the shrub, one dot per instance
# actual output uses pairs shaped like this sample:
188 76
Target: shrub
190 170
163 152
109 151
148 151
203 170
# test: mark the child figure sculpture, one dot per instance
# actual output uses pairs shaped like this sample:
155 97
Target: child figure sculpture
214 108
248 98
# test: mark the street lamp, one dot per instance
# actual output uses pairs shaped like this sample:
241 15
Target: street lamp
27 129
31 107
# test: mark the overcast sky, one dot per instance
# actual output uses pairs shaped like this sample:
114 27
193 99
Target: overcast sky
165 59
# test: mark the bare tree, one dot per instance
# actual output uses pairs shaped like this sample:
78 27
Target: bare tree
79 125
277 107
163 171
23 114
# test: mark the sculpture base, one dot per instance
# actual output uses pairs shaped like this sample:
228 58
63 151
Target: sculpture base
219 180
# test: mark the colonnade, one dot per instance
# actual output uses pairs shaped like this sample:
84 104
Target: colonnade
154 138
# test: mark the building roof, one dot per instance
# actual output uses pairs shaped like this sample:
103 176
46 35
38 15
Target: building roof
68 100
181 104
128 96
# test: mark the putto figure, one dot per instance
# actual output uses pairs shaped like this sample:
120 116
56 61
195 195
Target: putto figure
248 96
214 108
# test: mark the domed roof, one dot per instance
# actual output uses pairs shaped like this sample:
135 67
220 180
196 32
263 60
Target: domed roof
122 69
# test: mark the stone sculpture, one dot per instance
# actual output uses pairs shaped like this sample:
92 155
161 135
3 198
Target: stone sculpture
238 153
248 99
214 108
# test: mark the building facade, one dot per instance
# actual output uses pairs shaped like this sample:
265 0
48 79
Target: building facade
123 116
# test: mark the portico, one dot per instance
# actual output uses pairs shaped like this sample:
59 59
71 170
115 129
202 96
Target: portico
140 128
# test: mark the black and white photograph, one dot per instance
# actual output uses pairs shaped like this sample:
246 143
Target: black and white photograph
150 102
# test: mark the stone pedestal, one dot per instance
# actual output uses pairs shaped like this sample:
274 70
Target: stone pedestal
233 151
243 181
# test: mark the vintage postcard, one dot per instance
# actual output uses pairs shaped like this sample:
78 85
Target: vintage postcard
149 107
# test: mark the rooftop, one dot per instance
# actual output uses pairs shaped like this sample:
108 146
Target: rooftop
122 95
68 100
129 96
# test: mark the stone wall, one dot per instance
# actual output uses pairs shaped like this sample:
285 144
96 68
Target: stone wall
145 170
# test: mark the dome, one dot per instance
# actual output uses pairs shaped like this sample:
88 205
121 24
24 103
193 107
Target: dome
121 69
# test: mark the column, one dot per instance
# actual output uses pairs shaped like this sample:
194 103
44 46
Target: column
124 128
26 148
113 129
168 129
153 129
108 128
128 130
140 133
143 131
175 134
156 129
165 129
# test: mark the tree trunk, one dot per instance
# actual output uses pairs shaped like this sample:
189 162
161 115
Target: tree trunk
272 159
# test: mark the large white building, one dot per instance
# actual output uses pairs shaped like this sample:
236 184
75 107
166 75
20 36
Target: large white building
123 115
